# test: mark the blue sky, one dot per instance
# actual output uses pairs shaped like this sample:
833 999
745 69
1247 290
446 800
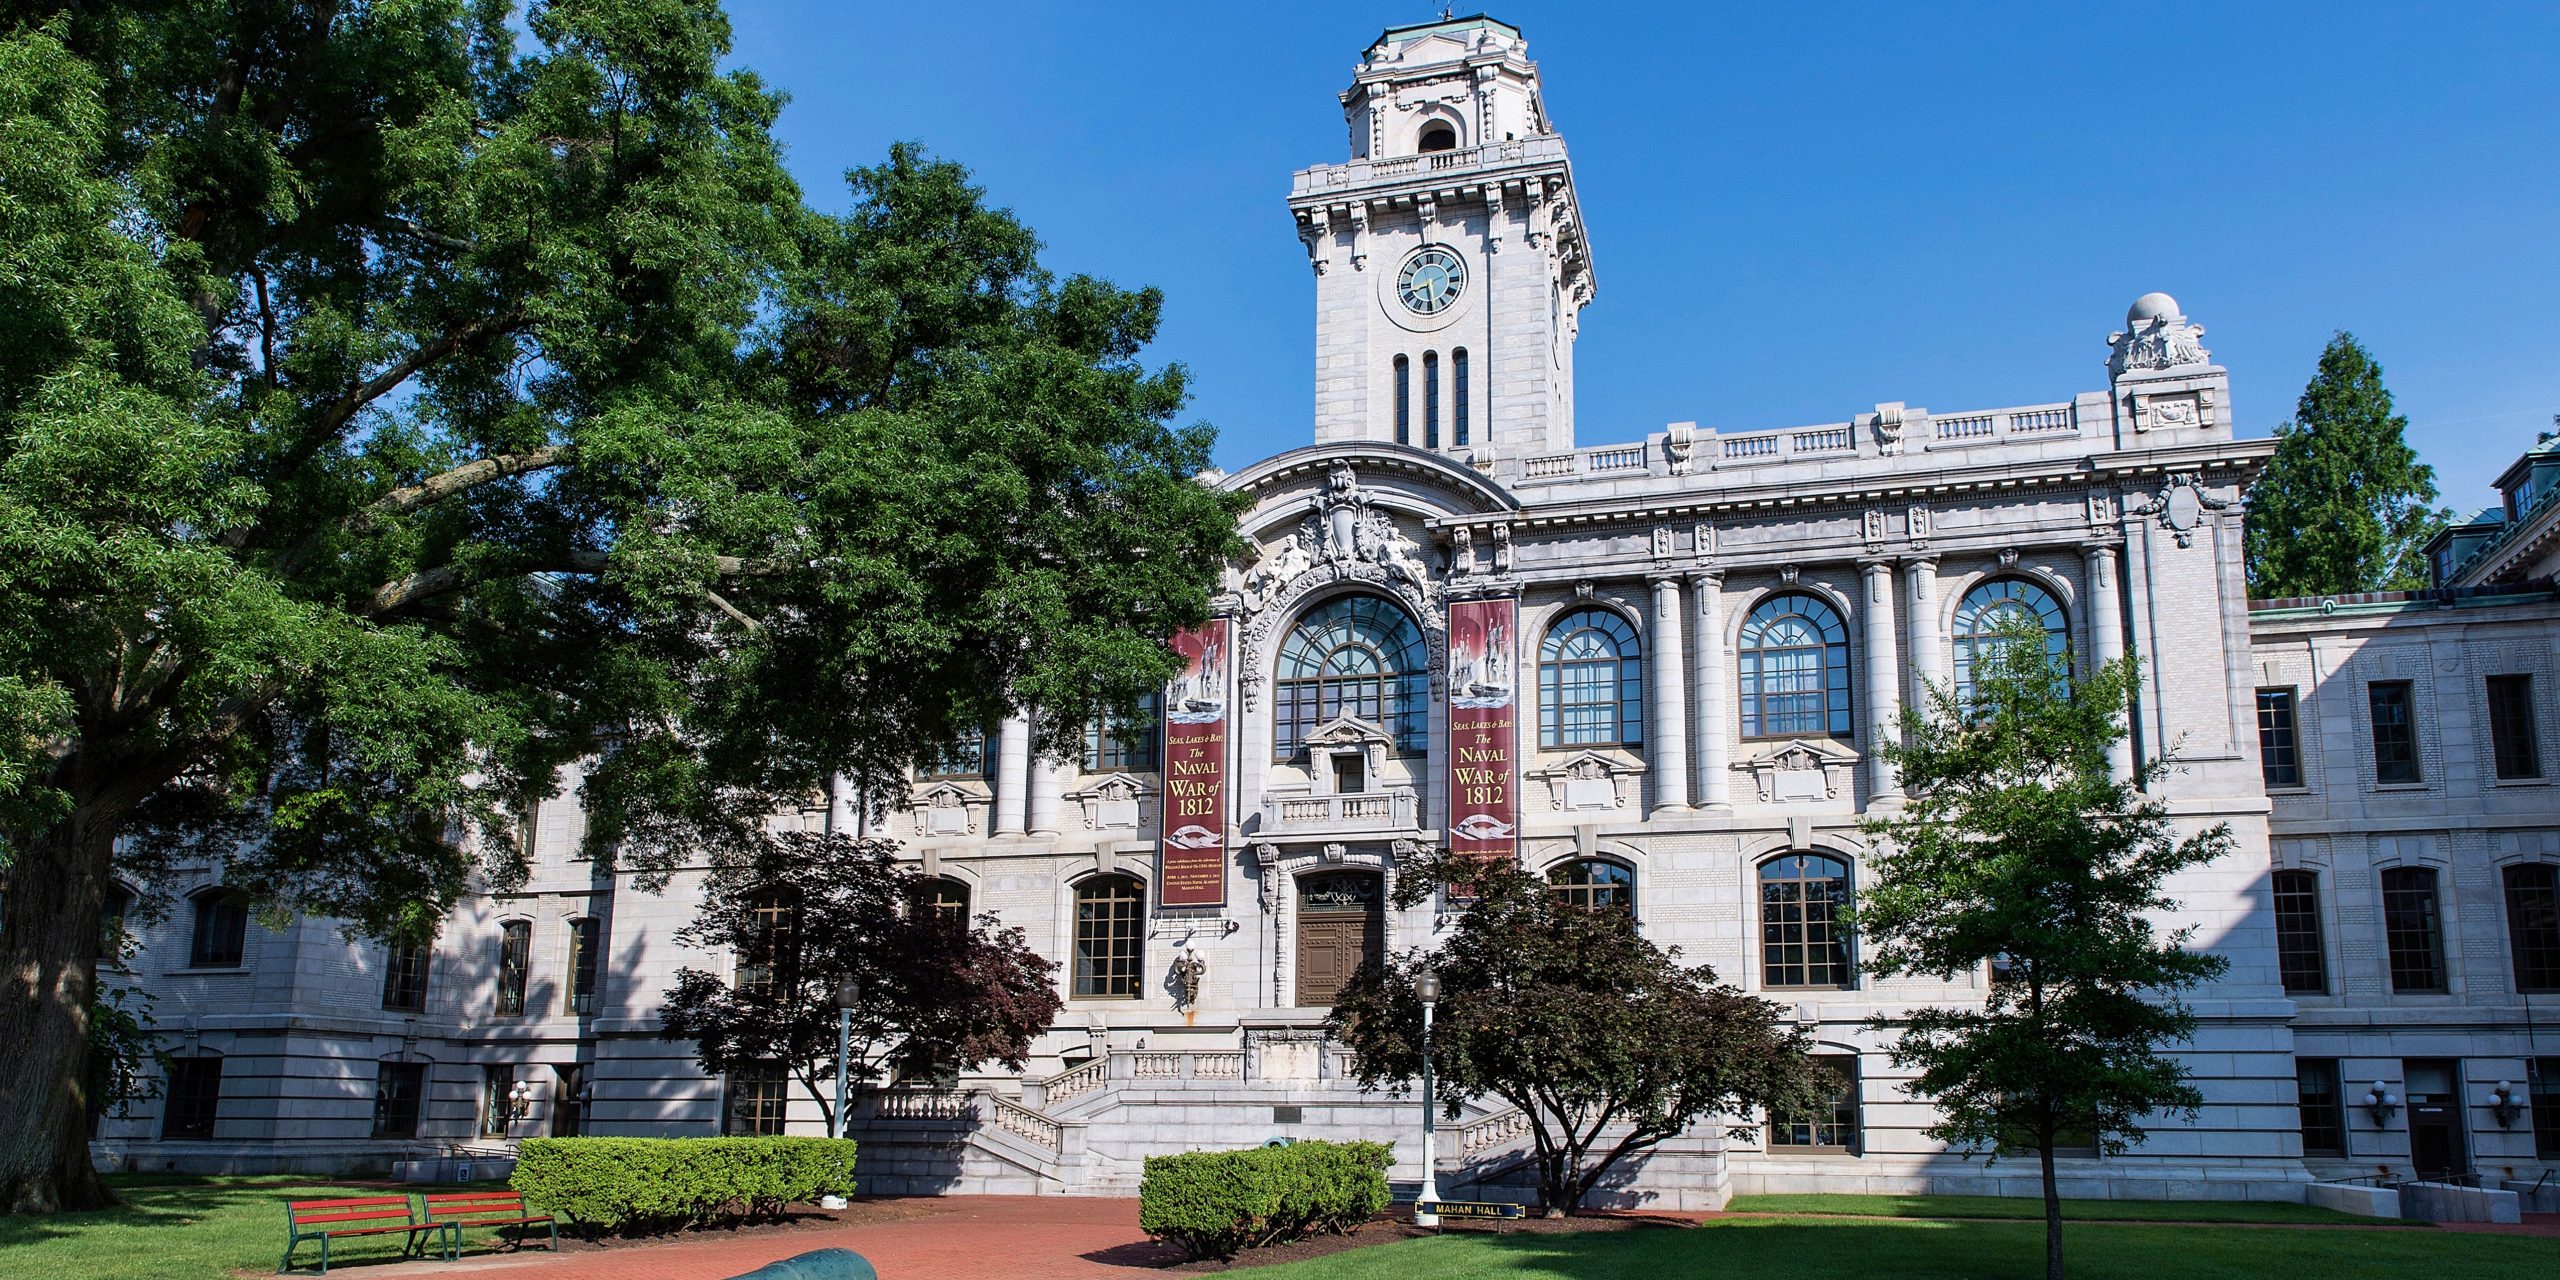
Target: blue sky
1799 210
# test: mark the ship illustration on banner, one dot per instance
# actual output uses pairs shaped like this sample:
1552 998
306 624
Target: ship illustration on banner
1194 836
1483 826
1480 673
1199 694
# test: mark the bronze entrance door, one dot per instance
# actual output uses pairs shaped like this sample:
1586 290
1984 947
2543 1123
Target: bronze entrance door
1341 923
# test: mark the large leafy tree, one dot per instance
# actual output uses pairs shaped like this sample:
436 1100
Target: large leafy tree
2344 505
1606 1043
937 993
2022 850
401 398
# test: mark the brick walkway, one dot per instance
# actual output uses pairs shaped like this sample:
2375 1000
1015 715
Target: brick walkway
962 1238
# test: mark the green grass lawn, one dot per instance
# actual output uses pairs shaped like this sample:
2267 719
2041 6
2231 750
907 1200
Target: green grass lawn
2024 1207
1888 1249
180 1228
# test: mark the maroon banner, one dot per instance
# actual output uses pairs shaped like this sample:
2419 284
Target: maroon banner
1483 728
1191 871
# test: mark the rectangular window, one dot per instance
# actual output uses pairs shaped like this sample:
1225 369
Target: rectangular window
1118 744
584 935
404 976
515 960
2299 957
2324 1112
398 1089
497 1090
757 1101
769 961
2533 925
194 1097
2395 732
1110 937
2542 1090
2413 929
966 759
1458 396
2511 736
2279 743
1833 1127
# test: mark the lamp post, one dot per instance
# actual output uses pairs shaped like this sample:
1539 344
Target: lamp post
1426 987
848 994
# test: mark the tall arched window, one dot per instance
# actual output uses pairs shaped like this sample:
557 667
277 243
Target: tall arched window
1111 938
1801 943
769 954
1458 396
943 898
1794 664
515 962
221 938
1352 655
1590 682
1430 399
1982 611
1404 401
1594 885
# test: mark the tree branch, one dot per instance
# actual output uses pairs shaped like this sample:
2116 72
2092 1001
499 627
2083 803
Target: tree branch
345 408
437 488
445 579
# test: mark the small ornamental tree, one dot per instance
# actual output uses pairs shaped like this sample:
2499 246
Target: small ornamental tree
938 993
2344 505
1604 1041
2022 850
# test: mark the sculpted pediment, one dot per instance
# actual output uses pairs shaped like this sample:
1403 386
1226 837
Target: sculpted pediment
1591 779
946 808
1113 802
1800 769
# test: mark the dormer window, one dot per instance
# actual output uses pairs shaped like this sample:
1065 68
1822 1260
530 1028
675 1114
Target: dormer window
1438 136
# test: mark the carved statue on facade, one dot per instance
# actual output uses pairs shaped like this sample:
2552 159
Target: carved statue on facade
1187 973
2156 336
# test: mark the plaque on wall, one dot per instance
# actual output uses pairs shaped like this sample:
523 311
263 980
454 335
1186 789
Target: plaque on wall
1191 868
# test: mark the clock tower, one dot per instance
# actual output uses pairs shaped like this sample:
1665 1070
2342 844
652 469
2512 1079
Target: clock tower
1448 251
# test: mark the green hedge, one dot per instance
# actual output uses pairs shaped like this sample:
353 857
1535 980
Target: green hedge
643 1185
1213 1203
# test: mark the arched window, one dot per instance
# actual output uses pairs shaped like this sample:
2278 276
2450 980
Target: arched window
1984 608
1439 135
943 898
1111 937
1594 885
1801 943
1794 663
1430 399
1404 401
1458 396
1353 655
2533 924
586 953
1591 682
2300 960
221 930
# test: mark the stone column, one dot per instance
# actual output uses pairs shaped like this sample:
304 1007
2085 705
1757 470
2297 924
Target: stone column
2106 636
1669 737
1048 784
1928 645
1714 668
1884 678
1013 773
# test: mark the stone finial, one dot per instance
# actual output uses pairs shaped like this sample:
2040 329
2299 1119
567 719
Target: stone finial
2156 336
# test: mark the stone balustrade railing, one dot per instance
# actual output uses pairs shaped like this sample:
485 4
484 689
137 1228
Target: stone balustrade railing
1388 809
1491 1131
1711 449
1027 1124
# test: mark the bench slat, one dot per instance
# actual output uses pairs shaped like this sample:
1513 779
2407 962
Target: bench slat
496 1222
351 1215
299 1205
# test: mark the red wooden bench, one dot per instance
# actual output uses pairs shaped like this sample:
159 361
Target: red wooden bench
456 1210
326 1220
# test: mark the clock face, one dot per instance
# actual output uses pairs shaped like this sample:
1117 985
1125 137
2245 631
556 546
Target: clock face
1431 280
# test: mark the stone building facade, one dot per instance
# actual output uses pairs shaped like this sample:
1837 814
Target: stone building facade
1695 639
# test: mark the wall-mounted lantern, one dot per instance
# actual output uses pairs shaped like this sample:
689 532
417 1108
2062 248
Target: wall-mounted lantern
2503 1104
2381 1103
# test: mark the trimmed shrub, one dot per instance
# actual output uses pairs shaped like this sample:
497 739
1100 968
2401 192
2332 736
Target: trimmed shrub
1213 1203
643 1185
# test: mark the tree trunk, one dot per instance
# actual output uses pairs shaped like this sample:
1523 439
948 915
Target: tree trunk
49 946
2052 1204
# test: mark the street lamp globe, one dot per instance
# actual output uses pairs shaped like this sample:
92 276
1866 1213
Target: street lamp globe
1426 986
849 993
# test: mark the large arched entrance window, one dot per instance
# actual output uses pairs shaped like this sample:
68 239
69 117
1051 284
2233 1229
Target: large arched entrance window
1352 655
1982 611
1590 682
1794 668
